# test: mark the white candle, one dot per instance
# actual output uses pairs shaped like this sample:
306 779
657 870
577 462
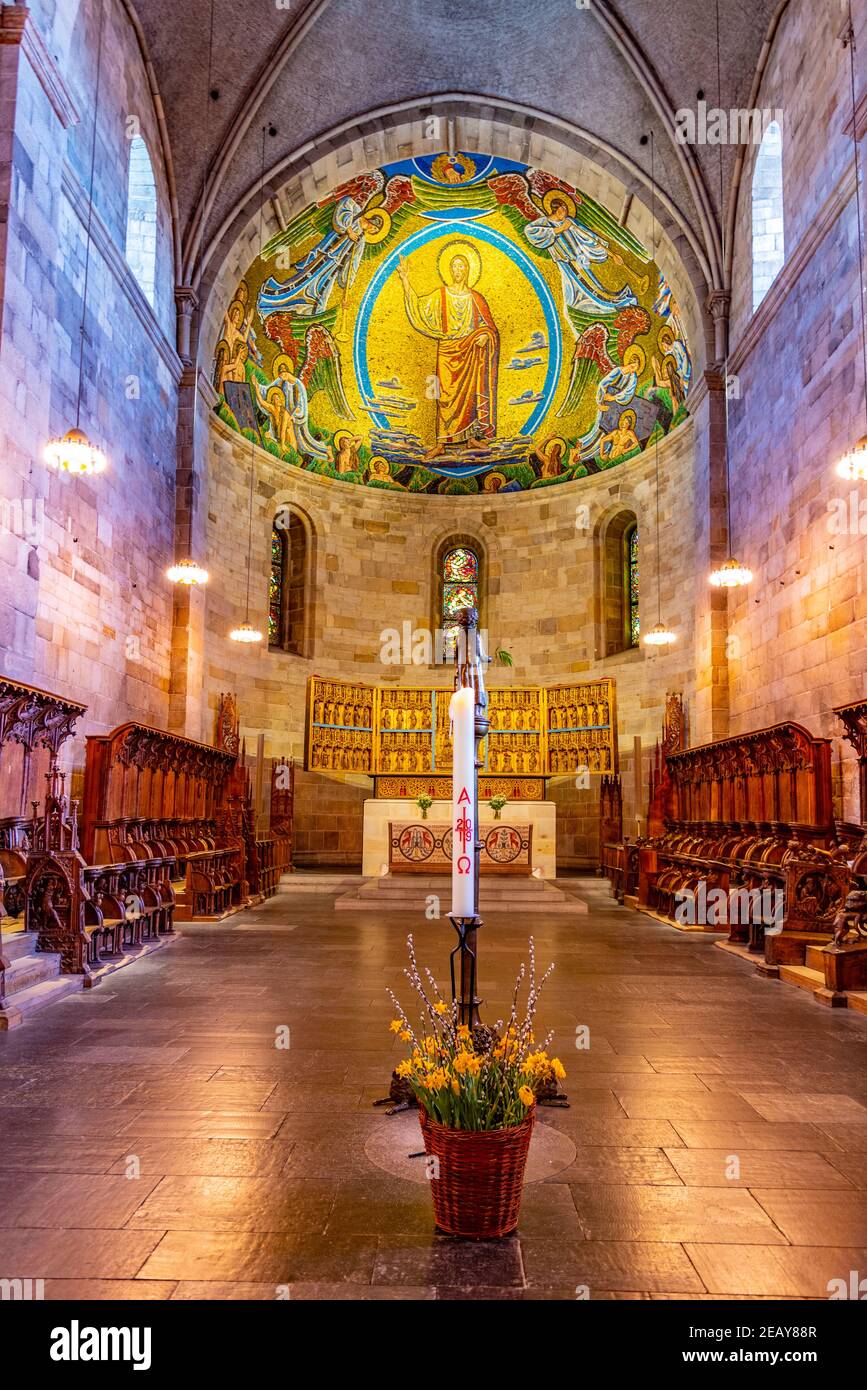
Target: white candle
462 716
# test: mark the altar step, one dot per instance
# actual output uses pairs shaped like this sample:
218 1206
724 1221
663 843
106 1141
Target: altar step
307 881
506 893
803 977
33 979
810 976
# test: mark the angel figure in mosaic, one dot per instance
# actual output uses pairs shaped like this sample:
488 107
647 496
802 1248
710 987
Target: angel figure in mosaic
285 403
237 342
575 250
359 215
609 352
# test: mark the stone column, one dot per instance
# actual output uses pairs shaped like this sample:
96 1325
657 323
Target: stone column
711 540
190 604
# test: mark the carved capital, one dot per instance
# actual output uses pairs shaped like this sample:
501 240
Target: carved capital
718 303
186 303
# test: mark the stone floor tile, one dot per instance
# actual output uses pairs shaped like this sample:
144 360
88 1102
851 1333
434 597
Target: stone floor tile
672 1214
755 1168
778 1271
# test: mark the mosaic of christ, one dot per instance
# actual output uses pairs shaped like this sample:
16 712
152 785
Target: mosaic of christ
454 324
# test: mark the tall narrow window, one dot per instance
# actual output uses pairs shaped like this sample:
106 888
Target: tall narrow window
276 586
460 584
619 576
768 239
141 217
288 583
630 575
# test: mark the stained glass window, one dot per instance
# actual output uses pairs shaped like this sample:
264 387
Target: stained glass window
275 586
460 577
631 581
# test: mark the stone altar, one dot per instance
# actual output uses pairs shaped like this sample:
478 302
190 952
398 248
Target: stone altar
537 817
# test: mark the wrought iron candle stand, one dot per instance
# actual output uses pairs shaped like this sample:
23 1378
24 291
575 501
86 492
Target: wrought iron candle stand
470 662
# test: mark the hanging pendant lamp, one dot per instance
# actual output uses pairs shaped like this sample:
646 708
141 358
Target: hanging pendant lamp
73 452
853 465
732 574
187 572
659 635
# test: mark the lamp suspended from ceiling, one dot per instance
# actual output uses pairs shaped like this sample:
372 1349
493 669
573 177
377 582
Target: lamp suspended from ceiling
247 632
659 635
186 571
853 465
73 452
732 574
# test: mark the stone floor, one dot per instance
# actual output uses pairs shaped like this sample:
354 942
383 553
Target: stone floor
155 1143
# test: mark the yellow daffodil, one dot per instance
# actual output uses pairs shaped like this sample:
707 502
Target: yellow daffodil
404 1068
440 1007
405 1035
395 1025
557 1068
526 1097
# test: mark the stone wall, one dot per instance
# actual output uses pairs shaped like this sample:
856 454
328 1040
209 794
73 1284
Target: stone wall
797 636
84 606
328 820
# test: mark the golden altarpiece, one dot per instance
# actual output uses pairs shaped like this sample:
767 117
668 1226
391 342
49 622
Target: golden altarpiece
399 736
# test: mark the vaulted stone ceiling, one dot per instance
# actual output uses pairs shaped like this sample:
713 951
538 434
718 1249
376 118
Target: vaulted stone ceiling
311 66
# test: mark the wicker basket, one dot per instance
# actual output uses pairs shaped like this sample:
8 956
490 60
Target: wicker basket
477 1192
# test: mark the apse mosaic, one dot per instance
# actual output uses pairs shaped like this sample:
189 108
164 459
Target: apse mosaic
453 324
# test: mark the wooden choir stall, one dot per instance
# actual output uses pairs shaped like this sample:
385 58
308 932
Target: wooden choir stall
168 832
158 797
741 837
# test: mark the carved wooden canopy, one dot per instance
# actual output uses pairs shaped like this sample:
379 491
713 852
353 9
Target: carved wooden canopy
782 748
138 745
781 774
34 717
854 721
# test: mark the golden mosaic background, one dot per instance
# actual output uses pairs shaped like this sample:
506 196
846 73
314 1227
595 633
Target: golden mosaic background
319 362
